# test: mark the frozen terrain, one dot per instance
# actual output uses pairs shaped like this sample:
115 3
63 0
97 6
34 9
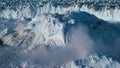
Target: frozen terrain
57 34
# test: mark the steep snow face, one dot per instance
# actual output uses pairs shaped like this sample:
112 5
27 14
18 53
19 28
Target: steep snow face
47 30
105 14
41 30
23 12
96 61
27 11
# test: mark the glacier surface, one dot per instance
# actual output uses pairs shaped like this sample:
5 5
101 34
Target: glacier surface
45 36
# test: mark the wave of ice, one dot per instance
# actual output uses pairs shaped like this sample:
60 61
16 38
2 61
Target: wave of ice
34 26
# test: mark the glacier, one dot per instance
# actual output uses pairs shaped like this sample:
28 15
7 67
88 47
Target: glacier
41 35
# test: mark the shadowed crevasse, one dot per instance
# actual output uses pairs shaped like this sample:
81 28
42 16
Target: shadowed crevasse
1 42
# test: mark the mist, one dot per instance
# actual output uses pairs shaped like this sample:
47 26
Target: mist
78 46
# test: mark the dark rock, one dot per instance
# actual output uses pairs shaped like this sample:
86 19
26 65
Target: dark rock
97 24
28 19
1 42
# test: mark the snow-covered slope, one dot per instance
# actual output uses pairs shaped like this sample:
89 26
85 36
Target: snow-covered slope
30 10
47 36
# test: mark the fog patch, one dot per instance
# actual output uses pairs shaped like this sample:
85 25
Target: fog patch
78 46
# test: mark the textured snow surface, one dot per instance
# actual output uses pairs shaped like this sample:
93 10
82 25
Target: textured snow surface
35 35
31 11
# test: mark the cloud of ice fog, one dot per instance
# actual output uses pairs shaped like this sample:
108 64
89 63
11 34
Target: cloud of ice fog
20 29
80 40
78 46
